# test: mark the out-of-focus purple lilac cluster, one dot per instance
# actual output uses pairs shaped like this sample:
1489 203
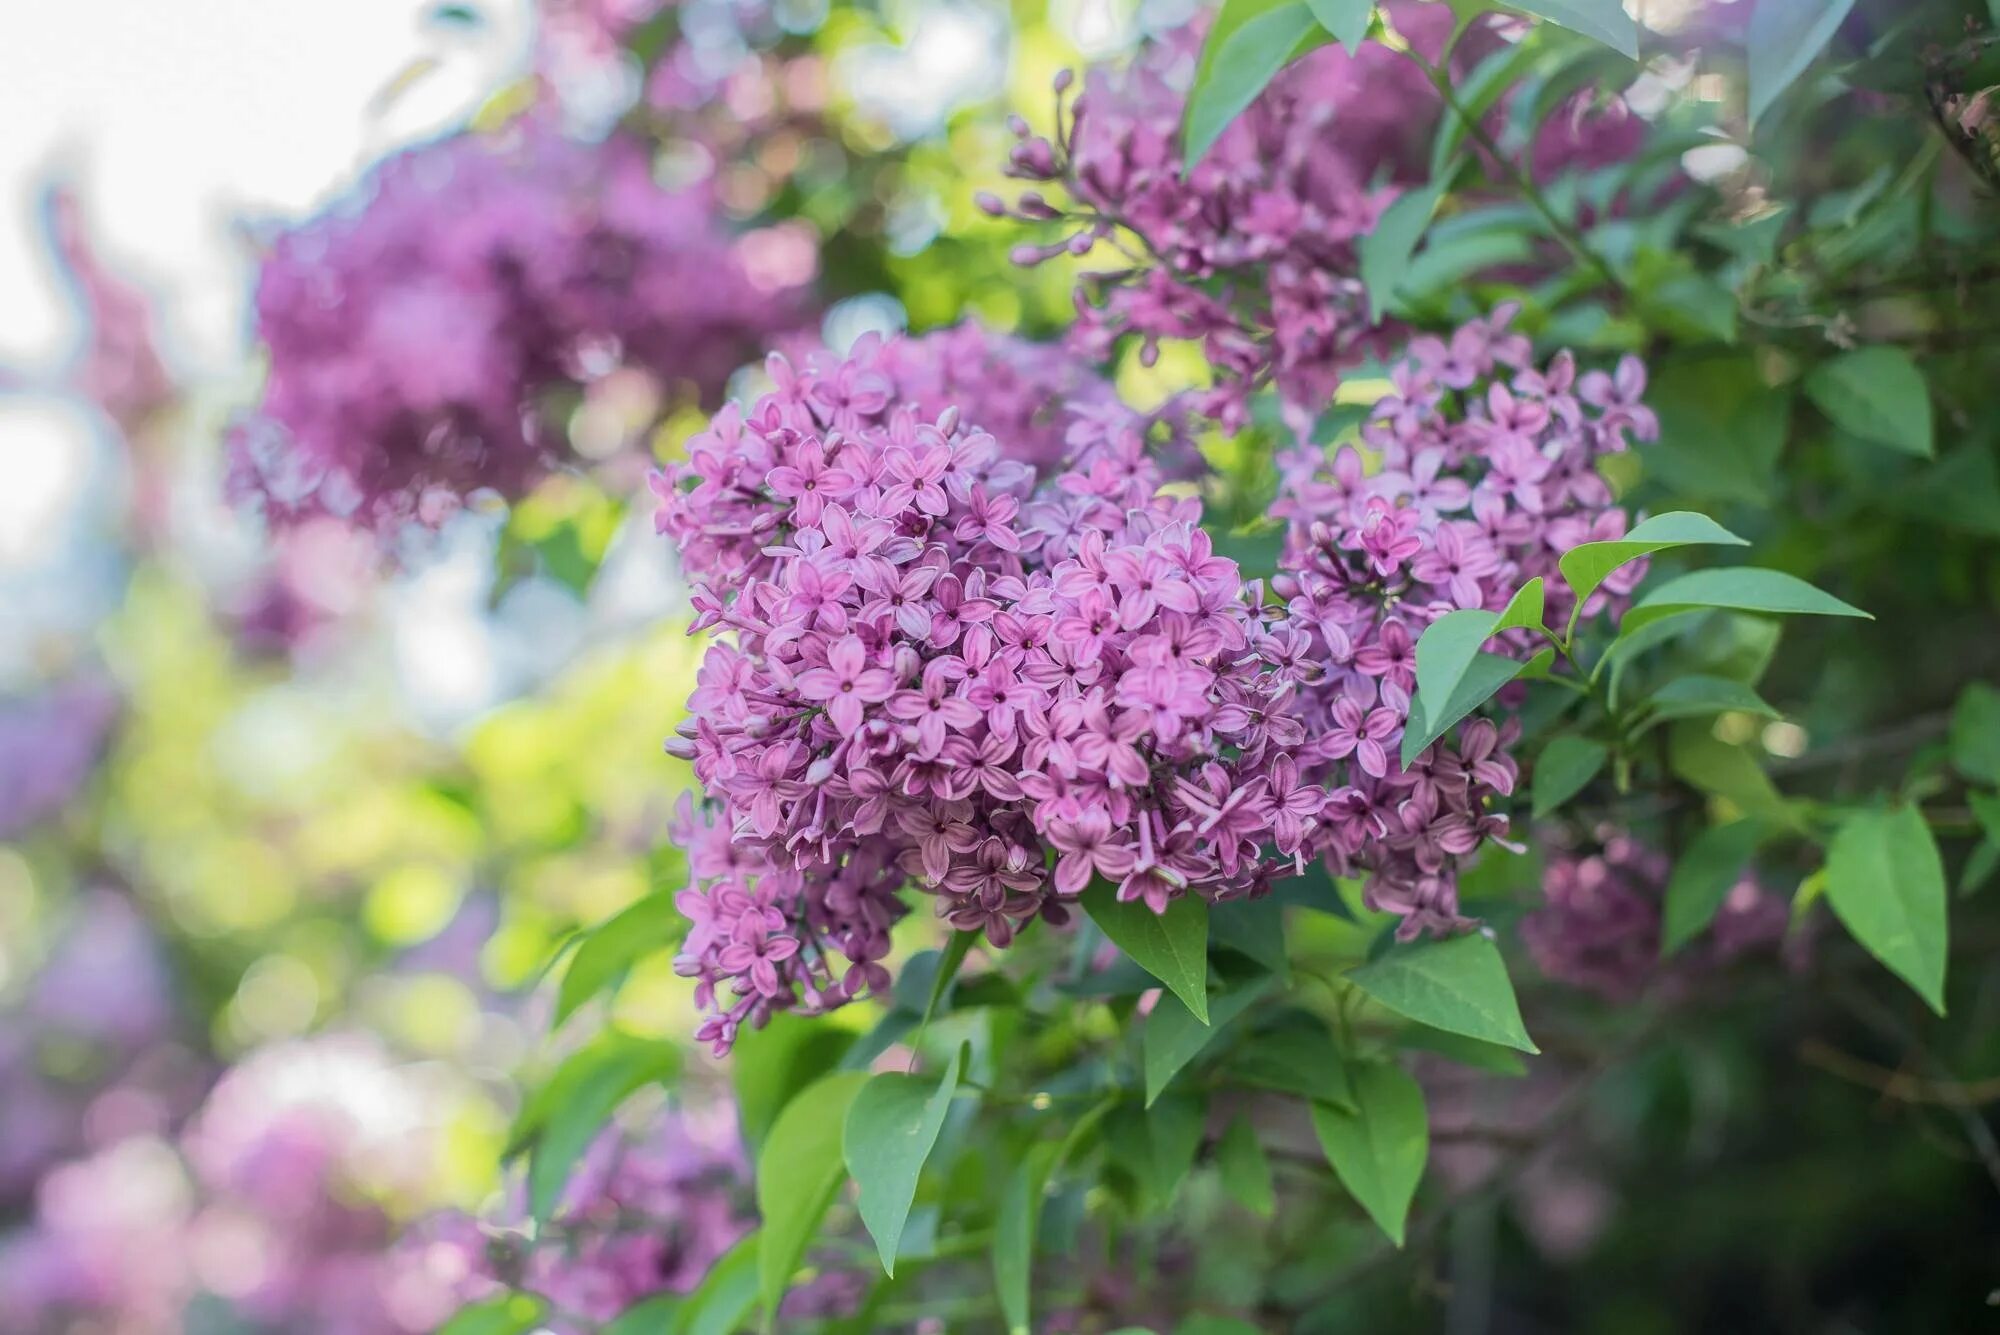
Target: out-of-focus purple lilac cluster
1252 252
49 743
1487 473
949 670
265 1202
415 331
647 1211
1600 921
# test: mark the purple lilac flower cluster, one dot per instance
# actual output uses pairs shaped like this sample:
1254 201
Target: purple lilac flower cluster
945 669
1472 477
49 743
1599 925
647 1211
413 333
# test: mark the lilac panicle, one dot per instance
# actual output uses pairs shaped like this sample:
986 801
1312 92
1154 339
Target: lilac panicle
414 329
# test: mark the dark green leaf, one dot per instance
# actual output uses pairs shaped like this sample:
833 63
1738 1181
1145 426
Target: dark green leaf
1171 946
1878 394
1565 767
1465 1051
1246 1172
1020 1217
721 1303
1249 42
561 1119
1172 1037
1458 985
609 951
1385 252
1253 928
1378 1150
657 1315
1346 20
1295 1058
1785 37
1886 883
892 1126
1741 589
799 1171
1975 733
1702 880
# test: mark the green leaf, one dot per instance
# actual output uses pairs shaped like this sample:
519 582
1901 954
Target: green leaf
1173 1138
1584 568
892 1126
721 1303
799 1171
609 951
1741 589
1886 884
1171 946
1246 1172
560 1120
1378 1150
1704 761
1565 767
1450 645
1488 673
1785 37
656 1315
1173 1037
514 1314
1986 810
1346 20
1878 394
1721 429
1299 1058
1385 252
1604 20
1021 1213
1216 1325
1458 985
1465 1051
1253 928
1249 42
1975 733
1702 880
1700 696
769 1066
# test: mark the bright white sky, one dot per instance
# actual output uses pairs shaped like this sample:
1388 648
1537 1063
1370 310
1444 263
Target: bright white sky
176 117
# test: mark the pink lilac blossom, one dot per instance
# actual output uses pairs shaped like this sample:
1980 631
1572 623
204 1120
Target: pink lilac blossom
416 330
1472 476
646 1211
943 668
1599 925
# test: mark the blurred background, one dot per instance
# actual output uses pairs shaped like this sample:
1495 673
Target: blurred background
293 822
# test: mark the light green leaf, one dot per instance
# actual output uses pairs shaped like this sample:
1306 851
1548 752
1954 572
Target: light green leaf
1173 1037
1741 589
1458 985
1584 568
1449 646
1299 1058
1246 1172
1699 695
515 1314
1702 880
1171 946
769 1066
1785 37
1565 767
1878 394
1975 733
657 1315
721 1303
1488 673
1986 810
799 1172
1604 20
610 950
1378 1150
1249 42
1886 883
1385 252
892 1126
1347 20
1704 761
560 1120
